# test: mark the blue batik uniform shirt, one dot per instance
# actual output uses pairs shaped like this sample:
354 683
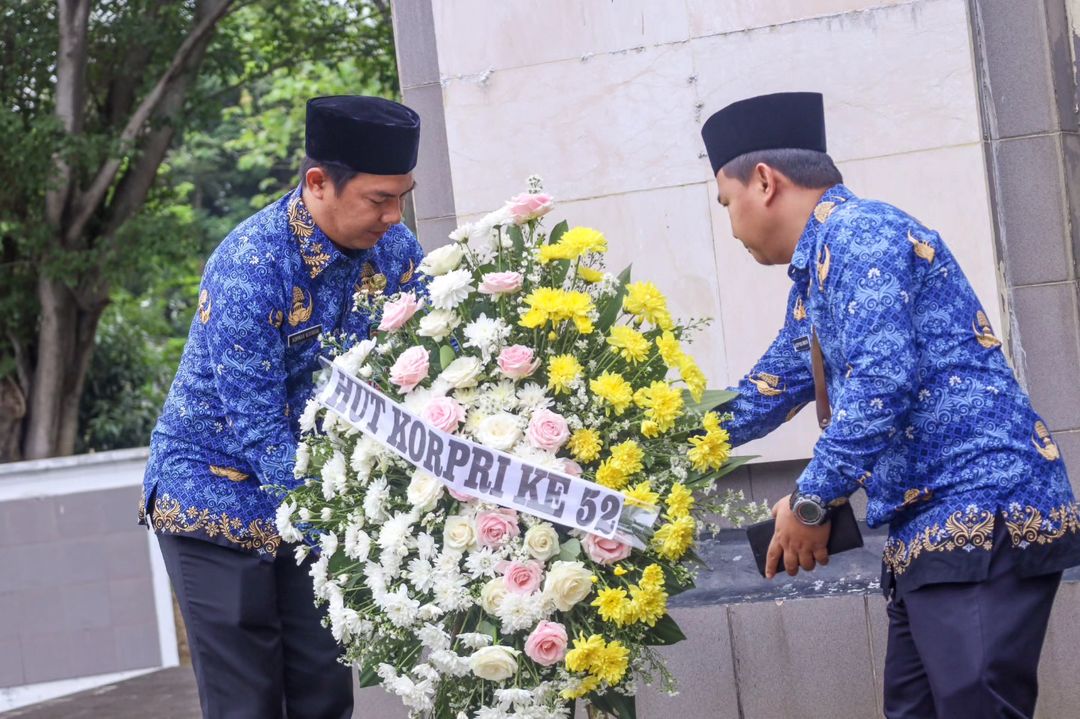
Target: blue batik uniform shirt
927 416
230 424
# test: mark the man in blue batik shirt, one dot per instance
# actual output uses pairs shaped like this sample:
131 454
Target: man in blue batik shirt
230 424
919 409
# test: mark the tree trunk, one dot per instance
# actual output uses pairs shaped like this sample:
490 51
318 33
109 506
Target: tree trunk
56 336
12 411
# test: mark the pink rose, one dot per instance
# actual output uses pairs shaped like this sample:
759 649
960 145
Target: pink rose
547 430
547 644
397 313
522 577
516 361
528 206
410 368
500 283
571 467
444 413
463 498
496 528
605 551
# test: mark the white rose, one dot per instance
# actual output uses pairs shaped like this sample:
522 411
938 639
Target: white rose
541 541
499 431
495 664
462 372
424 490
492 594
438 324
442 260
458 533
567 583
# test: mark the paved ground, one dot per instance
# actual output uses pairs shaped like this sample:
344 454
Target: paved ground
168 694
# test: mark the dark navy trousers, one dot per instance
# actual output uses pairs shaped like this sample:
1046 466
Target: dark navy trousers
257 645
960 650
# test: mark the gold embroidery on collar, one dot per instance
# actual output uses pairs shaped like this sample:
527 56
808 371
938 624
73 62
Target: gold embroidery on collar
823 210
302 225
371 282
767 384
923 249
168 516
229 473
984 334
301 222
302 306
799 312
408 274
1044 443
824 261
205 305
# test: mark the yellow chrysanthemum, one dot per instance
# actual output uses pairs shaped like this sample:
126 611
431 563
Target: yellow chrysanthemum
673 539
711 450
693 376
670 350
573 244
627 456
584 653
547 304
648 604
584 686
663 405
611 604
679 501
562 371
628 343
650 429
711 422
652 577
613 389
585 444
610 663
590 275
641 495
619 570
611 475
645 301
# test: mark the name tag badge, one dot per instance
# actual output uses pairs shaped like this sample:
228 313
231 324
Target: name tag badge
303 335
802 344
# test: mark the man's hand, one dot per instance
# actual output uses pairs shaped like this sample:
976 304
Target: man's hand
795 544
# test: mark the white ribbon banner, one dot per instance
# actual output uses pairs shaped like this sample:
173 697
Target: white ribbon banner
479 471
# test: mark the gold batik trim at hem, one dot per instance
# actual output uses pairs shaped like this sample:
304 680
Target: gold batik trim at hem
964 528
168 516
974 528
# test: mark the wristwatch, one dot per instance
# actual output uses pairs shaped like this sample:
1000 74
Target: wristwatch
809 510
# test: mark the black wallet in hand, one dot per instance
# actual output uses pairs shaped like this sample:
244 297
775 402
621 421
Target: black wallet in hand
844 534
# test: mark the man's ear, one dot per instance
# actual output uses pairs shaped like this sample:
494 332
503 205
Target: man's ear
764 180
317 183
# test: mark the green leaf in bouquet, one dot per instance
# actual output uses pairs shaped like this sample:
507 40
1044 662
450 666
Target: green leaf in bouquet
518 238
610 311
666 632
368 677
711 399
704 480
446 356
486 627
557 232
571 550
614 703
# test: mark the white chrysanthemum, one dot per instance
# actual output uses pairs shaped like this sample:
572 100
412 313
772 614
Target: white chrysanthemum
433 637
416 402
532 397
473 420
430 613
357 542
343 620
396 530
351 361
438 324
399 607
475 640
300 554
482 563
307 418
303 459
318 574
499 431
425 546
519 612
486 334
420 574
450 290
466 396
328 543
516 697
283 521
452 594
378 494
449 663
333 476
